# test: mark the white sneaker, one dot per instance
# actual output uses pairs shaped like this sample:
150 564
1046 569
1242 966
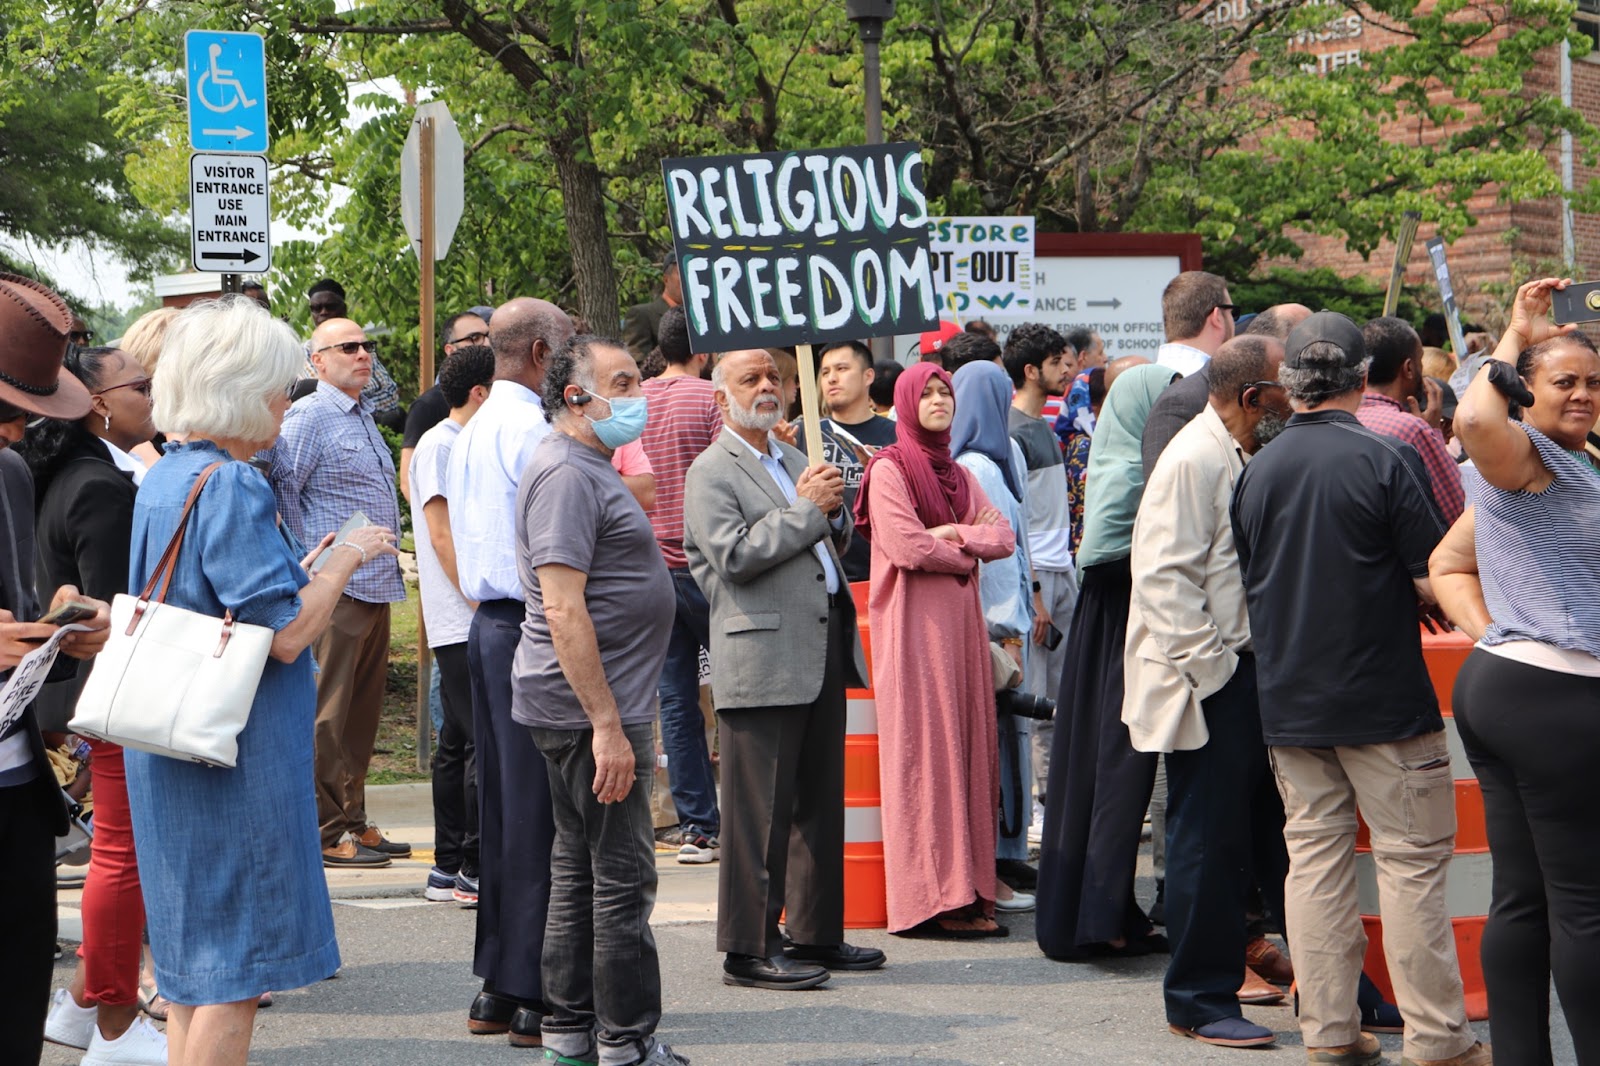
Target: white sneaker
1019 903
698 849
142 1045
69 1024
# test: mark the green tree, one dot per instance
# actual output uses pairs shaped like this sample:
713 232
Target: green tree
62 172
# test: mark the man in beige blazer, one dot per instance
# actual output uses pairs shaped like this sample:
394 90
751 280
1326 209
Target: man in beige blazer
1191 692
763 535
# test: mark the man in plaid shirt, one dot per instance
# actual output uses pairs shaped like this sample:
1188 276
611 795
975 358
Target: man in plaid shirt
1401 403
330 462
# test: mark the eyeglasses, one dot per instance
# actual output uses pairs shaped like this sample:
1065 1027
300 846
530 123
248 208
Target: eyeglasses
142 387
351 347
471 338
1258 385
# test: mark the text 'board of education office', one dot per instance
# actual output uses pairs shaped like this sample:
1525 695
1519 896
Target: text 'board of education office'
229 210
802 247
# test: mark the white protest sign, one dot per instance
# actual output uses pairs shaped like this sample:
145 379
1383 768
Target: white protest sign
983 266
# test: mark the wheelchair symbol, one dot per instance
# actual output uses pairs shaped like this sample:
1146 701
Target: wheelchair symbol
219 77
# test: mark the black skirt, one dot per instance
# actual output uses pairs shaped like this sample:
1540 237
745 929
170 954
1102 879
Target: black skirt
1099 787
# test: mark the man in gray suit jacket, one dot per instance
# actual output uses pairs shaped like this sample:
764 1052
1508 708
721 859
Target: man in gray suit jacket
763 534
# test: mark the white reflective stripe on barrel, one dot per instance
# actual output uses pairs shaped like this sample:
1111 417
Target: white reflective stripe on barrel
863 825
1467 884
861 716
1460 768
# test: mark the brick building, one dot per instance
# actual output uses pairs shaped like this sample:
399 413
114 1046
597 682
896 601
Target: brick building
1542 233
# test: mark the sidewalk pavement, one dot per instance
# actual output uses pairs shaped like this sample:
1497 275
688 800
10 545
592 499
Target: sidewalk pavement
405 812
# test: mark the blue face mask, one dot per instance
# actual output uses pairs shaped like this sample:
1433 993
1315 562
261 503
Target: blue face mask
624 424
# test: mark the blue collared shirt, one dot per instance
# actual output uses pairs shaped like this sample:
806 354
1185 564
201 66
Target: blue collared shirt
772 460
330 462
485 465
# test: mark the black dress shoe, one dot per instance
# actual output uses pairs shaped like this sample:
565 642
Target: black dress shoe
490 1014
836 956
1018 874
778 972
525 1028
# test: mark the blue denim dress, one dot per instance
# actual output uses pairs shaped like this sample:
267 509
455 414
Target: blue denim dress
234 892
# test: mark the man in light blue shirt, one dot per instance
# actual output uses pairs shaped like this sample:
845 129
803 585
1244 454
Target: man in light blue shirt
329 463
516 828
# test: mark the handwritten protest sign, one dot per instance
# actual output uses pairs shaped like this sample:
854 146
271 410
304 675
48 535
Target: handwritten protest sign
802 247
983 266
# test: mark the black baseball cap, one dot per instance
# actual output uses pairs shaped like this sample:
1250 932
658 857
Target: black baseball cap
1330 327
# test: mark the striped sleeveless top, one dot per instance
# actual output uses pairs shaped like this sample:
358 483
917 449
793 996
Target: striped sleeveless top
1539 554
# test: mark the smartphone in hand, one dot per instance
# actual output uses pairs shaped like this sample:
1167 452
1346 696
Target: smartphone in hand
353 523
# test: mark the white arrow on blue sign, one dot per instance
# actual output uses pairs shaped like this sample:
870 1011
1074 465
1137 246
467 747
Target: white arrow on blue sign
227 91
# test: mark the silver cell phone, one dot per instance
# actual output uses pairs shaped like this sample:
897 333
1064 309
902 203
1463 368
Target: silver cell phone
353 523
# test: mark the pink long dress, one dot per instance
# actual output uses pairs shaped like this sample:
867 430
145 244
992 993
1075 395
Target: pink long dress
933 681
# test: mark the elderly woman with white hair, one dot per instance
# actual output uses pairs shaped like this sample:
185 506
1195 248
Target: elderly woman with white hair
236 900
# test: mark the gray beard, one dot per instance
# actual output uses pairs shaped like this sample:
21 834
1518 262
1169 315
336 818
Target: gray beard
750 418
1268 428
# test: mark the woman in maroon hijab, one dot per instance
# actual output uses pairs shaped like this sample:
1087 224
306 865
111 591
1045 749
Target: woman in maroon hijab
930 525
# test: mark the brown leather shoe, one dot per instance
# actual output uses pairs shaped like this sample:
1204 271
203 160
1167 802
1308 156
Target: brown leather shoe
1364 1052
372 837
1476 1055
1263 956
348 853
1258 991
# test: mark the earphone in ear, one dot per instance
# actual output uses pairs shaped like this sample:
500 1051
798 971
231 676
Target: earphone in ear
580 398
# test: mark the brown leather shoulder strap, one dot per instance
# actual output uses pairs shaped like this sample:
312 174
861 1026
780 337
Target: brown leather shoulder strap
164 568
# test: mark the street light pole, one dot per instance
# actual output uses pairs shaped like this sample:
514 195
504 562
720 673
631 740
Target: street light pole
869 17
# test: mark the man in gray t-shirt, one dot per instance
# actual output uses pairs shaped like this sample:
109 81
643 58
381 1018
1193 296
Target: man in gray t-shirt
600 606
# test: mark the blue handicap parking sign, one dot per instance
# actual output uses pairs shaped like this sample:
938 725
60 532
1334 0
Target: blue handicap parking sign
227 91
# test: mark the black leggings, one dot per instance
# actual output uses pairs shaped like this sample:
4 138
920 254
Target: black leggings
1533 737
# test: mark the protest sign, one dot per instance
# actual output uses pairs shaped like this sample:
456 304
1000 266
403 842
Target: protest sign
801 247
983 266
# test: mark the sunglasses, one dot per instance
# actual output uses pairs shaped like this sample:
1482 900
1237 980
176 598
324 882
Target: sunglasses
351 347
142 387
81 337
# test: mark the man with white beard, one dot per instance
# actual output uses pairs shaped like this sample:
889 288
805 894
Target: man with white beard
763 533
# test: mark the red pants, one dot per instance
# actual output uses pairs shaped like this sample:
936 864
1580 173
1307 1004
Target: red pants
113 906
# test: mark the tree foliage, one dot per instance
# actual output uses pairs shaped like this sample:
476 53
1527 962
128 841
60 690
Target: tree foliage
1094 115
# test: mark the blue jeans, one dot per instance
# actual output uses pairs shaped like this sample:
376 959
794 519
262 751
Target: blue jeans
683 729
602 974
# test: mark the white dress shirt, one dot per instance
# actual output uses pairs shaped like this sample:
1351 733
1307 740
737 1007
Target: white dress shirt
772 460
1181 357
485 465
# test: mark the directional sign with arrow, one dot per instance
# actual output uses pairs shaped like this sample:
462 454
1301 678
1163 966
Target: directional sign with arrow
1112 303
229 213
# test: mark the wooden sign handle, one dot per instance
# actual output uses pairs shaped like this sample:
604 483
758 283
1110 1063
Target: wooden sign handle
810 405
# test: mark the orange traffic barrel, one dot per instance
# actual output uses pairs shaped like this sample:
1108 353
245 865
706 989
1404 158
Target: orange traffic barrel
1467 884
866 903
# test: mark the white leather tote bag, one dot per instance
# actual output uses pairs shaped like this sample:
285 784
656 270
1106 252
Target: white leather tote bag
170 681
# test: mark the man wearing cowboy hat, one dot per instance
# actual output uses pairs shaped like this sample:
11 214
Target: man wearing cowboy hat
34 324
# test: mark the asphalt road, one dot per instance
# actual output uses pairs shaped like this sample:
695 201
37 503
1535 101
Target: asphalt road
401 1000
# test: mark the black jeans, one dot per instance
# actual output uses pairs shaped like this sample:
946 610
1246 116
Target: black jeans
513 815
602 976
1224 824
1533 738
455 776
28 901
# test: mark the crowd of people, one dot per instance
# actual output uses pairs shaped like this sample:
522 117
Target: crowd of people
1185 586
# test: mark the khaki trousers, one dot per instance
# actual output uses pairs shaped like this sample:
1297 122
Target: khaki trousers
1404 792
353 665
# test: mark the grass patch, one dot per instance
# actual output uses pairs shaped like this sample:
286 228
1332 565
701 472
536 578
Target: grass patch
394 759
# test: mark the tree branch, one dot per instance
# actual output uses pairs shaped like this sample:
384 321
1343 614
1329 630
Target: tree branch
494 131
